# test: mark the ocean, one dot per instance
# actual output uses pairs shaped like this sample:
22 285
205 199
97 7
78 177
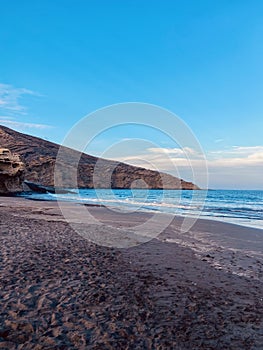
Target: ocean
243 207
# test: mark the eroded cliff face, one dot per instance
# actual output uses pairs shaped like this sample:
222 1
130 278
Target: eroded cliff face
11 172
40 155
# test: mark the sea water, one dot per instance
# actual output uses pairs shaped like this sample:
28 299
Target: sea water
243 207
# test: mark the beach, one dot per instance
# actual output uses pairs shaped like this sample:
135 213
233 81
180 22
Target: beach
202 289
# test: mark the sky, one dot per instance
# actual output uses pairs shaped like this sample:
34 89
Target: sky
202 60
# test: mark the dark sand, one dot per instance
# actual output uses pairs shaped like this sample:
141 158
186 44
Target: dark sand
199 290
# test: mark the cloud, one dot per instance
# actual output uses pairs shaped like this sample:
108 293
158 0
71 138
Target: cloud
22 125
176 152
239 150
219 140
10 98
165 159
12 109
234 156
240 156
6 117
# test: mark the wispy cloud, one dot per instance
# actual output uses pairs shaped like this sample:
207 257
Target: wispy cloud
6 117
176 152
164 159
12 108
238 151
233 156
219 140
10 98
22 125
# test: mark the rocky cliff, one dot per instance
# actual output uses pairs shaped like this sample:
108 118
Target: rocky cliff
39 157
11 172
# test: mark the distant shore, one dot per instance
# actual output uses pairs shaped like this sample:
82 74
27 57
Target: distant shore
199 290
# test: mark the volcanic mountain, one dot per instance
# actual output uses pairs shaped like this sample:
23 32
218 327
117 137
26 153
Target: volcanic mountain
40 155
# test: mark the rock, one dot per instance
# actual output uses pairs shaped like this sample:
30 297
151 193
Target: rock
45 189
11 172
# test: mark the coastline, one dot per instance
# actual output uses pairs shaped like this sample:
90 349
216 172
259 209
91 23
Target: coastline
202 289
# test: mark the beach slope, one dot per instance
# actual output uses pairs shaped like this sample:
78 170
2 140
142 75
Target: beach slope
200 290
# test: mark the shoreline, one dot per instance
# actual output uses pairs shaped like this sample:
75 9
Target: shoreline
222 218
22 200
201 290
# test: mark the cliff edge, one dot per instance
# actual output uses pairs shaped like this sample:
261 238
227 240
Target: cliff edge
39 157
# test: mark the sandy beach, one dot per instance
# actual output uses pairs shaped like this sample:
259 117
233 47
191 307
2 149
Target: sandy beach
199 290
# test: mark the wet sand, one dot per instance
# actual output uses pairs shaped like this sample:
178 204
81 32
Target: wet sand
199 290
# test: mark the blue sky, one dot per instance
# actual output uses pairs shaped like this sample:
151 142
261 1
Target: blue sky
61 60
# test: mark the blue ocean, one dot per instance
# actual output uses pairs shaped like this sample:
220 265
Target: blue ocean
234 206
